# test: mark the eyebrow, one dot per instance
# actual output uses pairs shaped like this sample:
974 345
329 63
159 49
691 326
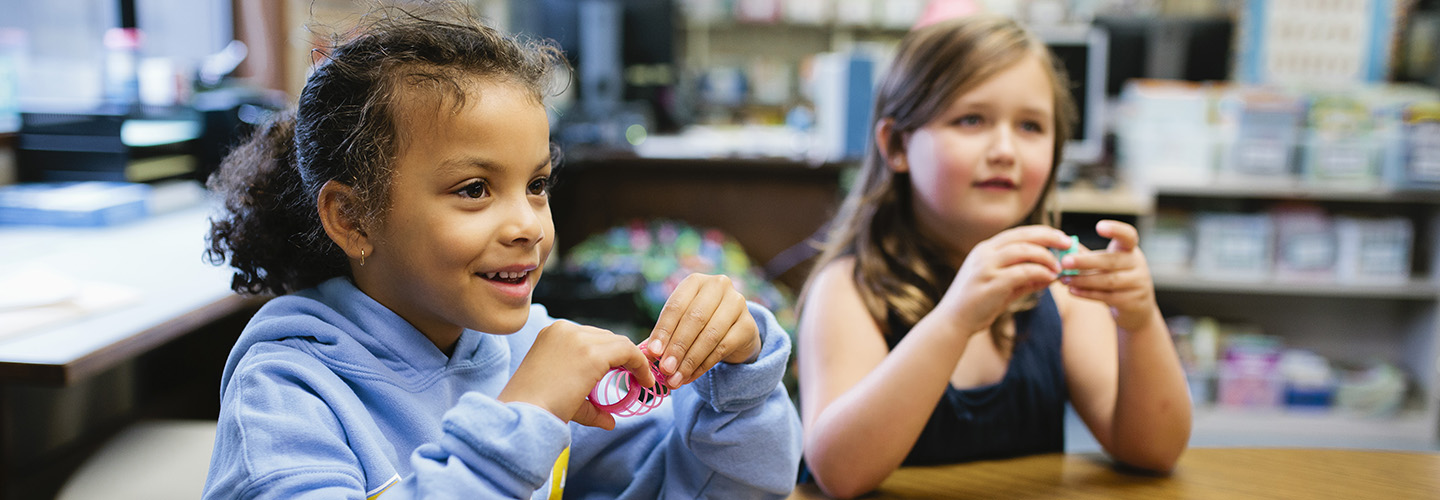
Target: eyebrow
985 104
982 106
463 165
1038 111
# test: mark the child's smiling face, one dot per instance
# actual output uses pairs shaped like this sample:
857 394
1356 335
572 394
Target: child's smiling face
468 227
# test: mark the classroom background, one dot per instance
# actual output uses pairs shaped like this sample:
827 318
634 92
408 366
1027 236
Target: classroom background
1281 157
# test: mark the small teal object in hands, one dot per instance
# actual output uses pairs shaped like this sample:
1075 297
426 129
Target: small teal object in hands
1060 255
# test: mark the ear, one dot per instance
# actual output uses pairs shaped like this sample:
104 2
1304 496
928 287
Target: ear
336 203
893 157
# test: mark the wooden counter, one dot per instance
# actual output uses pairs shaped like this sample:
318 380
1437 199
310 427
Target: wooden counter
1204 473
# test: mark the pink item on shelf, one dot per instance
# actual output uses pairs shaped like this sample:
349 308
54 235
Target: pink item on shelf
620 393
940 10
1250 377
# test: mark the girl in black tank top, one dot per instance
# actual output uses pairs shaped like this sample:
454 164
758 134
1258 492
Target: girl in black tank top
1022 414
947 233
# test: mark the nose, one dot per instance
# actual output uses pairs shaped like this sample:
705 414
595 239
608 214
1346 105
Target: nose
1002 147
524 223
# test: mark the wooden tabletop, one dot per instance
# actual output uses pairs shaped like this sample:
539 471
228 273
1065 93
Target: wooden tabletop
1203 473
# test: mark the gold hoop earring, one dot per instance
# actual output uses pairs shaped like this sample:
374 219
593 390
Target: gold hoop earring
362 257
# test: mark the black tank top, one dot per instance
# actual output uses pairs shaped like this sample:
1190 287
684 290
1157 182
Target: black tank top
1023 414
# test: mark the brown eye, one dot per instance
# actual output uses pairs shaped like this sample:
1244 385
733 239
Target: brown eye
476 189
540 187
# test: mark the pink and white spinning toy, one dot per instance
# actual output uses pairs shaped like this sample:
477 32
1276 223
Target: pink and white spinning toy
620 393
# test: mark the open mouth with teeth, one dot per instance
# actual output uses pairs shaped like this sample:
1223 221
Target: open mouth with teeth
511 277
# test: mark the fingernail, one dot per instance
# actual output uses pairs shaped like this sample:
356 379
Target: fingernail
1066 279
675 380
655 346
1068 262
669 364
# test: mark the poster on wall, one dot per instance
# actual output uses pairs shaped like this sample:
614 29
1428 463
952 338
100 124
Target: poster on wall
1316 42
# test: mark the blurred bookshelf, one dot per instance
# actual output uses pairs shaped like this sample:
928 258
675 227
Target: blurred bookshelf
1414 289
1227 427
1296 189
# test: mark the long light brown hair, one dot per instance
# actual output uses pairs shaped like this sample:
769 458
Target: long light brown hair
897 271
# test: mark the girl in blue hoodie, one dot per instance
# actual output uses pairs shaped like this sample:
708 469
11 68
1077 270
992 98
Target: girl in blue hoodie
401 216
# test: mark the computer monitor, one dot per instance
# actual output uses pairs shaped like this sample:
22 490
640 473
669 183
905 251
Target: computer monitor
1083 51
608 42
1192 49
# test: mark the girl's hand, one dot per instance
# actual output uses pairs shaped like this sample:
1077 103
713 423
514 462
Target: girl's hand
1118 276
1014 263
705 321
567 361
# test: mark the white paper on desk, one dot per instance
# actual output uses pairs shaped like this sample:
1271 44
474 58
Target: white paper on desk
34 287
32 298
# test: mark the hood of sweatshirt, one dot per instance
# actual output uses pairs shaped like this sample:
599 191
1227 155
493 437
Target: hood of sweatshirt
340 324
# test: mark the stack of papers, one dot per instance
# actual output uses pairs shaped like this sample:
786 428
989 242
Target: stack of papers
86 204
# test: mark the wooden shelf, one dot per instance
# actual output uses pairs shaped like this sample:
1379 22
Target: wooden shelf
1415 289
1085 198
1295 189
770 206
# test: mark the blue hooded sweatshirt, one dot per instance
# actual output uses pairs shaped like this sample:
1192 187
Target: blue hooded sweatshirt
328 394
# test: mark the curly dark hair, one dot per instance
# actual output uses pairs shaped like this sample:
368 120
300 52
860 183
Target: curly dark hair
344 129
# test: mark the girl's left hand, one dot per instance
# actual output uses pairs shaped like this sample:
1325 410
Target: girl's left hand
705 321
1118 276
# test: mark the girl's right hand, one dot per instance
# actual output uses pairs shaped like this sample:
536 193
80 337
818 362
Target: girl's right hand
566 361
1014 263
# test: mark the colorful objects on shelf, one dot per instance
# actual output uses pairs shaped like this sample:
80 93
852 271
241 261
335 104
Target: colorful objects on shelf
652 257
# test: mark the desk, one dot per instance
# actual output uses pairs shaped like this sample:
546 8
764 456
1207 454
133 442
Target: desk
67 385
160 256
1203 473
